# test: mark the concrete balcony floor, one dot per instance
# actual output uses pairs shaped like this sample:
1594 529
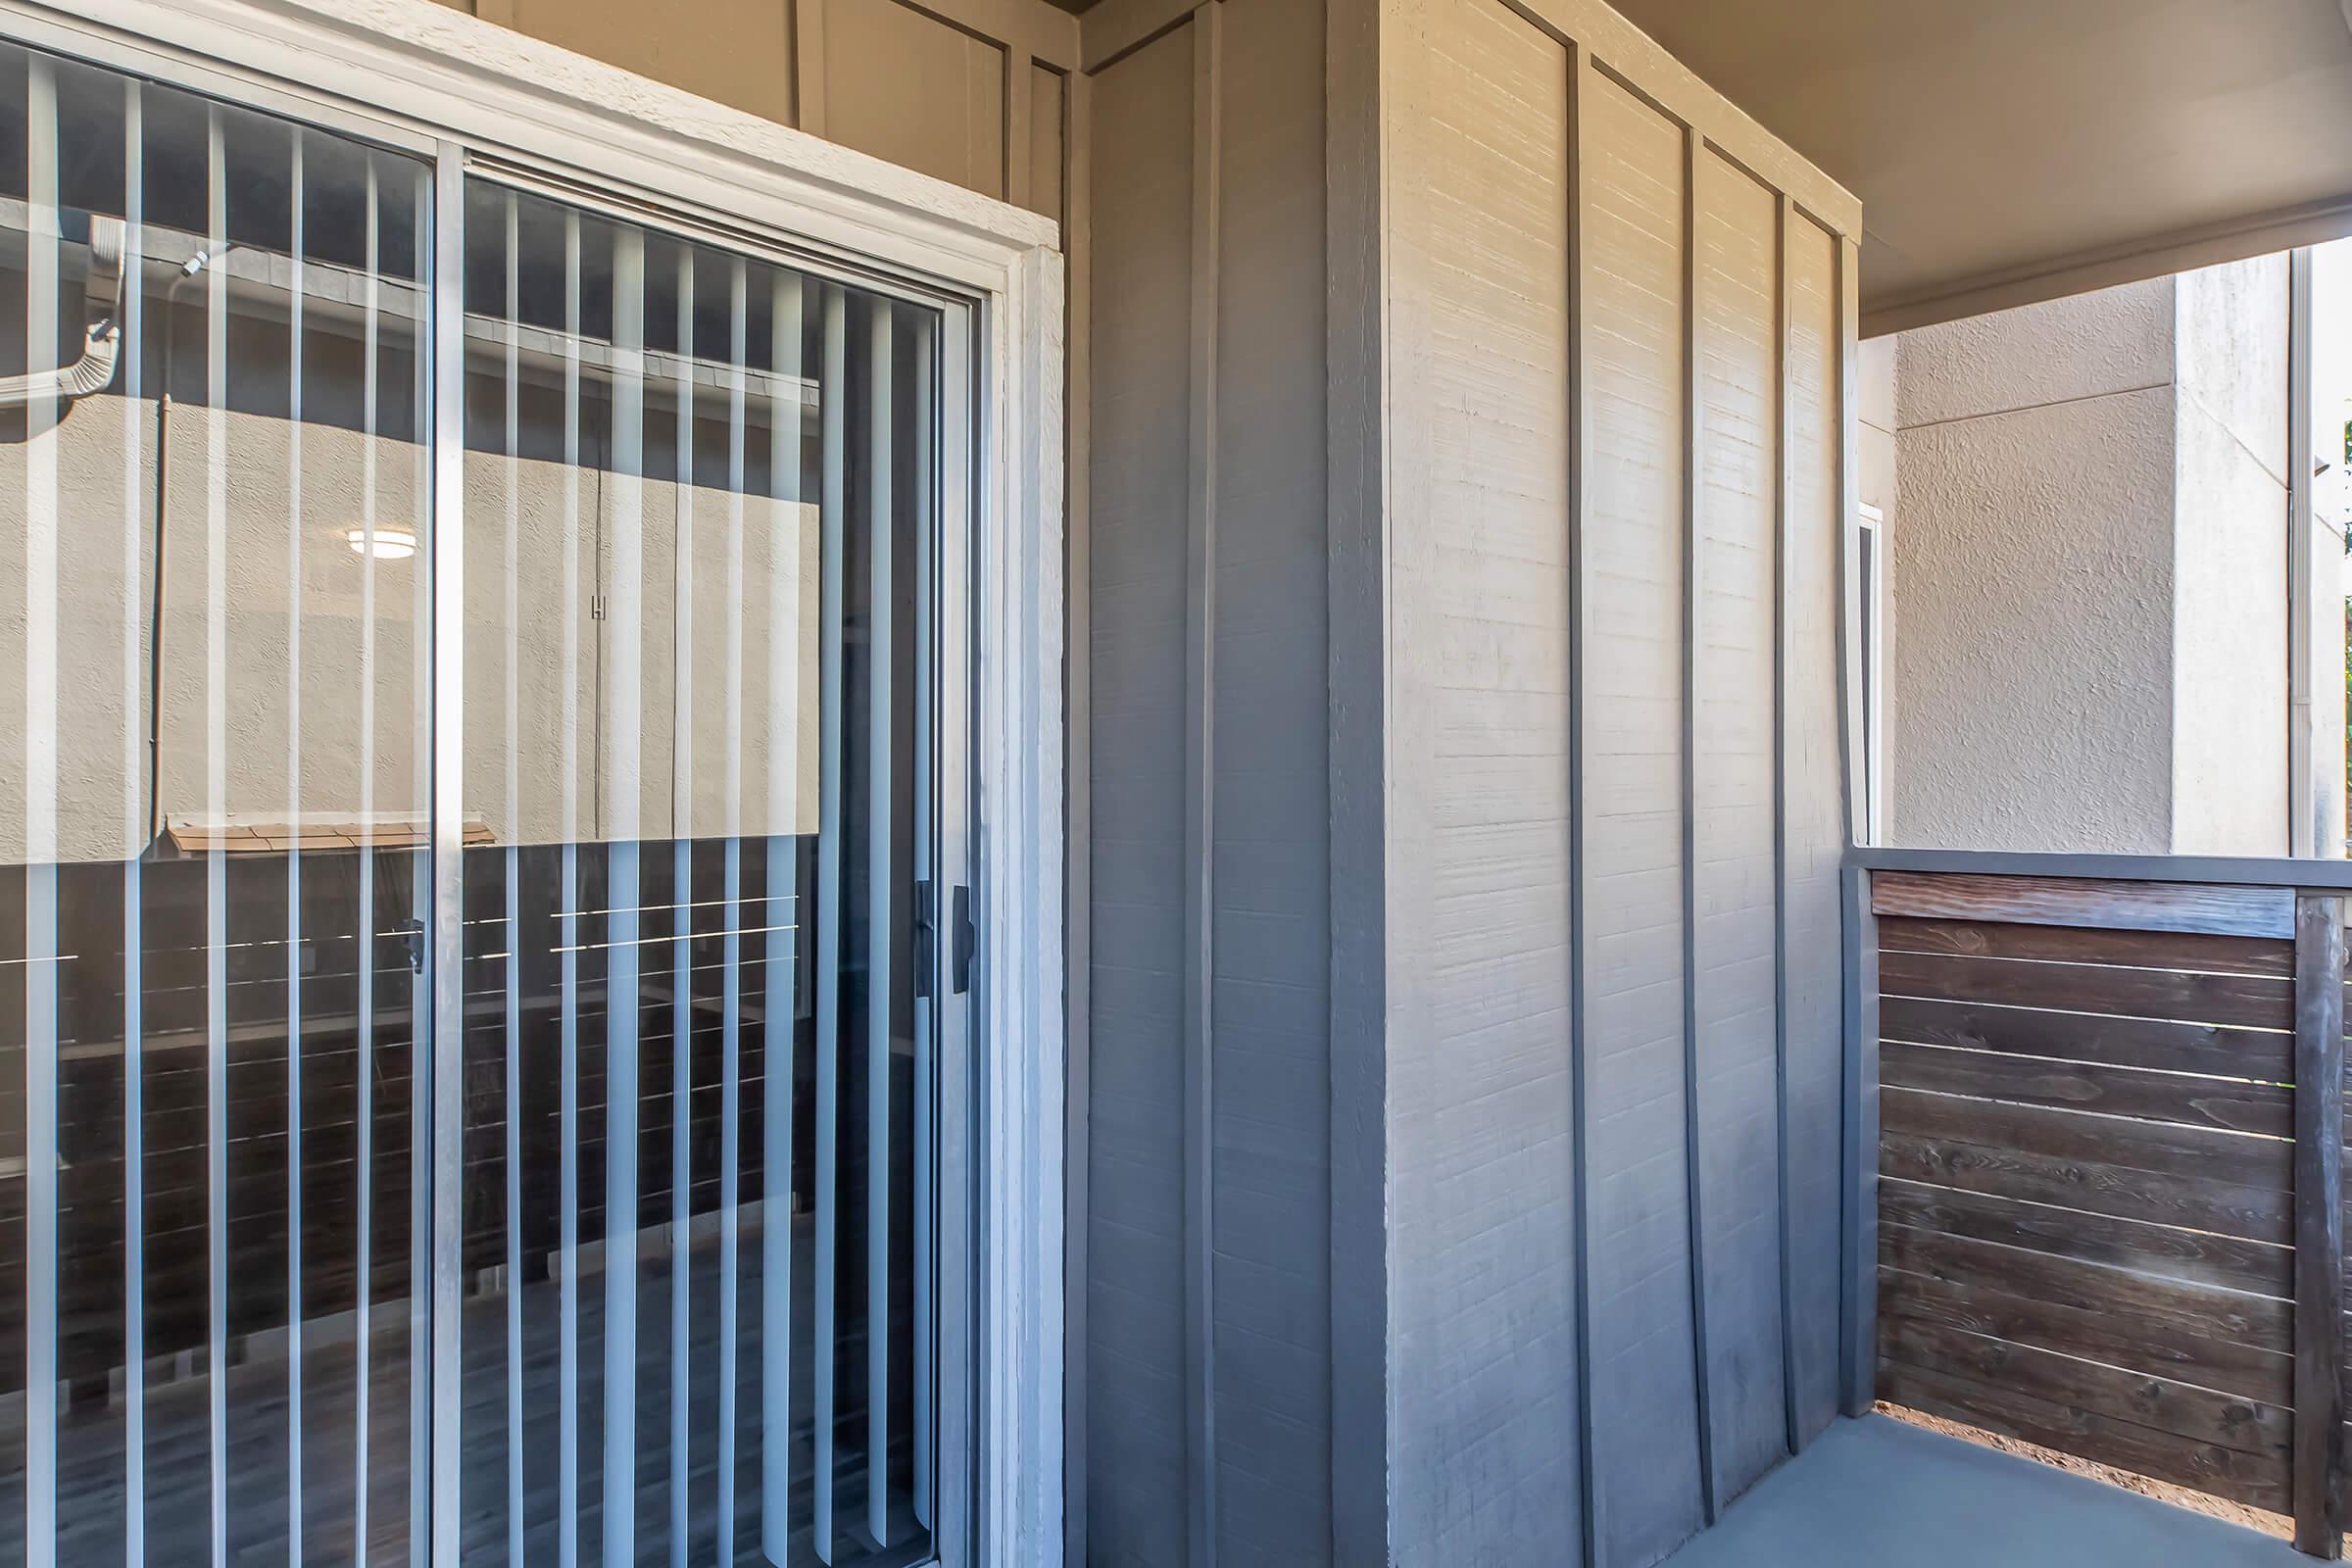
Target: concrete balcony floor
1877 1494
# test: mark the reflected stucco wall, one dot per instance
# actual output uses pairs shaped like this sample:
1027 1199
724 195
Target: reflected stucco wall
337 690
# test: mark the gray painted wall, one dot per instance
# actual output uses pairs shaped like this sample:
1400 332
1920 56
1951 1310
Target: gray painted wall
1619 369
1528 1194
1207 1360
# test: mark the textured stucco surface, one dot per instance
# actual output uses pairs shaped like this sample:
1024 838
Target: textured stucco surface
2089 572
2032 574
2117 340
2230 670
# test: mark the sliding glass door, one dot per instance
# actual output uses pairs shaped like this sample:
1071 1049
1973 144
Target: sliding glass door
705 658
701 491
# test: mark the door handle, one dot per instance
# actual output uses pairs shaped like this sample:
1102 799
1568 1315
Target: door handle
965 940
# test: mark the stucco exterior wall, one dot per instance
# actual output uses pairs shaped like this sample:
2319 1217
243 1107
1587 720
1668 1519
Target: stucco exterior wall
2229 582
2089 572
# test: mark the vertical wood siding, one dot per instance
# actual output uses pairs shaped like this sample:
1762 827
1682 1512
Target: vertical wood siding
1647 1484
1208 1362
1814 815
1616 801
1270 1143
1733 939
969 90
1138 1403
1481 1090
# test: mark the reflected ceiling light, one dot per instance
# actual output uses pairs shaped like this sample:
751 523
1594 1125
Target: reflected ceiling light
384 544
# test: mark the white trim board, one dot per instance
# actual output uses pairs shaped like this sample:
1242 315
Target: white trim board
416 74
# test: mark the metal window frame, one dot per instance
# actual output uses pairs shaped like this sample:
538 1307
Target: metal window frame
478 103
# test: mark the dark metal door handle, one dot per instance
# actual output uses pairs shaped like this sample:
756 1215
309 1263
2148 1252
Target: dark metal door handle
965 938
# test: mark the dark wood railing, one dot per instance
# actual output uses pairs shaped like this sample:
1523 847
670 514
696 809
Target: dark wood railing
2110 1159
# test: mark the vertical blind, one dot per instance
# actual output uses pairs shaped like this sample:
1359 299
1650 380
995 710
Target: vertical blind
696 1227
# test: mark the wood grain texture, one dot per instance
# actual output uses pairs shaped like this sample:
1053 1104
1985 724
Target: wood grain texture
2225 1103
2251 1372
1640 1306
2160 1043
2318 1457
2259 1483
2139 949
2247 1000
1734 934
2194 1153
1814 814
2082 902
1481 1110
2155 1306
2194 1201
2226 1421
2167 1251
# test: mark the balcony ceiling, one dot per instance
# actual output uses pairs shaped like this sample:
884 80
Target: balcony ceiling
2009 150
2013 150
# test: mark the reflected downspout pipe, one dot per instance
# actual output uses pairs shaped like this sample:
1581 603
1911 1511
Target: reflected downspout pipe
189 269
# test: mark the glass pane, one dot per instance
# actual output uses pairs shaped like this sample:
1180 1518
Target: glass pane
698 806
213 754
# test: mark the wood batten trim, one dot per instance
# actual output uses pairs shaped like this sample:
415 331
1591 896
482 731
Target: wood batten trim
1077 234
1627 53
1199 804
1693 541
1111 30
1357 555
1782 477
808 65
1581 78
2189 909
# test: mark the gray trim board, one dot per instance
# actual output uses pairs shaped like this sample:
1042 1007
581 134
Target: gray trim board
1078 786
1782 479
1356 675
1694 415
1199 811
2242 870
1857 1317
1581 74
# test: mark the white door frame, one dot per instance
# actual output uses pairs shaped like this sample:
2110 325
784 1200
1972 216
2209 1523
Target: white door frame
417 74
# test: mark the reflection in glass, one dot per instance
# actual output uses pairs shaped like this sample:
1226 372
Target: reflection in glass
213 749
696 1225
699 491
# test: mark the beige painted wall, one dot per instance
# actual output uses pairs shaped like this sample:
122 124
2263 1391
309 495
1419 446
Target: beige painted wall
2089 572
972 91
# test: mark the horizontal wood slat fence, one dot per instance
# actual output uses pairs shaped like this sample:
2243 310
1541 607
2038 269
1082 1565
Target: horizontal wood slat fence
2110 1185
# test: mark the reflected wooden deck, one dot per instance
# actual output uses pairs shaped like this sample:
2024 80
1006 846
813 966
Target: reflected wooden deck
178 1470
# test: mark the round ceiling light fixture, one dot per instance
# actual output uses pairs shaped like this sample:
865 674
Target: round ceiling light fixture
383 544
